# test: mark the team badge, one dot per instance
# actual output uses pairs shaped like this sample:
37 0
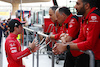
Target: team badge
93 19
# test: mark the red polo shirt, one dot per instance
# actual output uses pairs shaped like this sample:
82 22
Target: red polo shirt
71 26
57 30
89 37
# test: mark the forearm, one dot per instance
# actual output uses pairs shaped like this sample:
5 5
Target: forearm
69 38
21 54
73 46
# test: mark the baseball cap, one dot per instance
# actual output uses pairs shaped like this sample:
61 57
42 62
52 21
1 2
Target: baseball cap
14 23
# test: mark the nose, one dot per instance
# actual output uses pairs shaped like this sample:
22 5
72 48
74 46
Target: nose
50 17
56 18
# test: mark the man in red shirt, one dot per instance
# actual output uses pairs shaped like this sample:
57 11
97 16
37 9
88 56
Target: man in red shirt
70 25
56 29
55 35
89 37
13 47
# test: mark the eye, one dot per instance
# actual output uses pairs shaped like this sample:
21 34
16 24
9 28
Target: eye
77 3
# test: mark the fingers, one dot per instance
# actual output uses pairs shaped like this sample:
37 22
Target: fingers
62 35
35 42
38 45
55 50
36 48
29 42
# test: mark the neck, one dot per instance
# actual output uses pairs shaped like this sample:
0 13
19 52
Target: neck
85 14
15 33
55 21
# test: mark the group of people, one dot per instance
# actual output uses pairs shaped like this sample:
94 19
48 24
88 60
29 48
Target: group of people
3 29
75 33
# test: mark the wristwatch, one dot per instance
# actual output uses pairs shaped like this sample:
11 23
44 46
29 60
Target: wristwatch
68 47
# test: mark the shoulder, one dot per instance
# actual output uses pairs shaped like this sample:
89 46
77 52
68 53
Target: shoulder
97 12
94 18
74 17
9 40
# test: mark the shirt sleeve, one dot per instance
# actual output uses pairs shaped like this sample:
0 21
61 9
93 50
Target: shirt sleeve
54 30
93 33
73 28
14 50
58 32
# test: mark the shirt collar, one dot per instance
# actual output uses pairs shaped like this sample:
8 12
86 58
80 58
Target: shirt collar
68 18
90 12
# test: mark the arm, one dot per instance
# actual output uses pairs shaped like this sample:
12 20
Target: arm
89 43
56 33
73 29
15 51
61 47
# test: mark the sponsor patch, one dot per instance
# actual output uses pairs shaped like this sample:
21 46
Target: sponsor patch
12 45
93 19
70 26
13 51
72 21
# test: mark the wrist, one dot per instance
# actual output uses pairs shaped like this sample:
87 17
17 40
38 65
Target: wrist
30 49
68 47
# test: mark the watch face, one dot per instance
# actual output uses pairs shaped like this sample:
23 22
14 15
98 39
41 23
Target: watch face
68 47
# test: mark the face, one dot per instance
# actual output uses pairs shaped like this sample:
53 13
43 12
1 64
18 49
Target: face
19 29
60 17
52 15
80 7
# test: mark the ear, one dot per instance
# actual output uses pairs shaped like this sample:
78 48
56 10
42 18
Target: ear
63 14
87 6
15 28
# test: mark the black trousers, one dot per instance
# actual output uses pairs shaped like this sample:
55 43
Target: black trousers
97 63
80 61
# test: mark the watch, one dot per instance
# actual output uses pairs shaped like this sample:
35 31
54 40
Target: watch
68 47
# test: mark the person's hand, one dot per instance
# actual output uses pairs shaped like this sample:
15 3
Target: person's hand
59 48
26 24
36 48
62 35
47 40
64 39
33 44
51 37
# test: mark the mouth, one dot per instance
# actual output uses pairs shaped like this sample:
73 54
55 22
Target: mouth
77 10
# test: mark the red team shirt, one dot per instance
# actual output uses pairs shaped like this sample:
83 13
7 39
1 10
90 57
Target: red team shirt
13 51
71 26
89 37
72 29
57 31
